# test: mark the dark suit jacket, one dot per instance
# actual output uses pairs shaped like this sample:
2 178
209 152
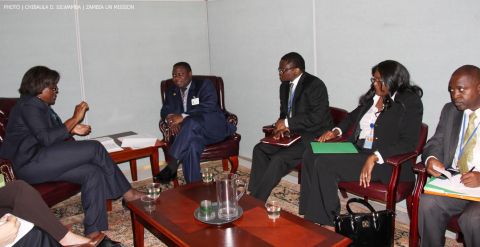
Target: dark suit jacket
207 112
310 110
30 128
396 129
443 143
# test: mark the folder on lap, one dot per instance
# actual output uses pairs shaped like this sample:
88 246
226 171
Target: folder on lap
333 148
451 188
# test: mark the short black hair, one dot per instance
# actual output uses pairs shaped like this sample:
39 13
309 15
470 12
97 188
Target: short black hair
183 64
36 79
295 59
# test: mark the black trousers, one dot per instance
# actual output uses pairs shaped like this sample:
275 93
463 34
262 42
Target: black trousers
37 237
22 200
321 173
269 164
82 162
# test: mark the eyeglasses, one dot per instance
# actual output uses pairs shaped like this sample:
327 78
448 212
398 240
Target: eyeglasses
281 71
373 80
54 89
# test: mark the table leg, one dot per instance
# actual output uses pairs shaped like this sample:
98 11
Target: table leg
133 169
138 231
154 162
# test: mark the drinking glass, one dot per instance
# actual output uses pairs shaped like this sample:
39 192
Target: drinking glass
148 203
207 175
153 190
206 210
273 209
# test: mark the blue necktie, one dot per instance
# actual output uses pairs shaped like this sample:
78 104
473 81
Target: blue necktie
290 99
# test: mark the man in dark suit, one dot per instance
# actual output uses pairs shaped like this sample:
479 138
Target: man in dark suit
194 117
303 110
447 149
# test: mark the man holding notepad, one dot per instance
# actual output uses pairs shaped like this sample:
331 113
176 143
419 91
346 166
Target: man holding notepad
455 145
304 111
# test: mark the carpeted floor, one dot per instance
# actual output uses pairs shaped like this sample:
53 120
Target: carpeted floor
70 212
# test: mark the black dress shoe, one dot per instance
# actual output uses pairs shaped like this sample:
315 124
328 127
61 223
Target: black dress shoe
166 175
107 242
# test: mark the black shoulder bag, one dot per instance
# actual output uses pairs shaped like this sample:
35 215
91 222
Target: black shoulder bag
366 229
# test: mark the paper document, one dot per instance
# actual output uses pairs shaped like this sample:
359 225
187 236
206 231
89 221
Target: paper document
137 141
108 143
446 173
451 188
25 227
333 148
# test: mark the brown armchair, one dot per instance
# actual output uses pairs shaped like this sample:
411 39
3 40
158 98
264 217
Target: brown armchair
396 190
51 192
412 205
226 150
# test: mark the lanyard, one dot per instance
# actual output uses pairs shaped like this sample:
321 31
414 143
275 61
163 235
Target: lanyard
463 130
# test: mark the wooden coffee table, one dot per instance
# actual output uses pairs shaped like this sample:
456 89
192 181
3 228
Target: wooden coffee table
174 224
131 155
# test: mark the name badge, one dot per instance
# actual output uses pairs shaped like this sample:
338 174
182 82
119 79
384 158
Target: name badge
195 101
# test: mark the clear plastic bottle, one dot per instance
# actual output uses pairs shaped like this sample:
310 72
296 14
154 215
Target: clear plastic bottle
369 139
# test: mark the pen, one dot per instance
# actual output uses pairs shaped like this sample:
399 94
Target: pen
471 170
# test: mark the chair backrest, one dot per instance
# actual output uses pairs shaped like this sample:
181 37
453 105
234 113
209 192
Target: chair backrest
216 80
338 114
6 105
422 139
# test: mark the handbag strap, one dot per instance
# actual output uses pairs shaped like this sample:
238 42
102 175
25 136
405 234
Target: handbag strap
361 201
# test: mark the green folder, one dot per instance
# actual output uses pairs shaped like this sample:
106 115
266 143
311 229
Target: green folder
333 148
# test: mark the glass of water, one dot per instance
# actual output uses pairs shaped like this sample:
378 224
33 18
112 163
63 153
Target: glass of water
207 175
273 209
153 190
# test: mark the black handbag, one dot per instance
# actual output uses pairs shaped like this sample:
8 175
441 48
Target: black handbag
366 229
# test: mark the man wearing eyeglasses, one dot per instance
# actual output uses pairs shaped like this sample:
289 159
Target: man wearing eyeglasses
304 110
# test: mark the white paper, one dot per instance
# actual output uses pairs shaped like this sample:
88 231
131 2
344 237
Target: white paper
108 143
442 171
25 227
137 141
454 184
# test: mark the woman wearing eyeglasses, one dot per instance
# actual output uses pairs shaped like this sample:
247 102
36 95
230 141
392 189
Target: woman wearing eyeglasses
42 149
386 122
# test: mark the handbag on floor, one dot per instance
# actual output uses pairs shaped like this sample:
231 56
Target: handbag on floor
366 229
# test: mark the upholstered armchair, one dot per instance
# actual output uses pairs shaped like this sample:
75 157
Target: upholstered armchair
412 205
51 192
395 190
226 150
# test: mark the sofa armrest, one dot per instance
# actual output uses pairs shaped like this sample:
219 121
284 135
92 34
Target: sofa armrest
6 170
399 159
163 126
231 118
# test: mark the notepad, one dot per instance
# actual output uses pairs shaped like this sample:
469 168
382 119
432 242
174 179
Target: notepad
451 188
333 148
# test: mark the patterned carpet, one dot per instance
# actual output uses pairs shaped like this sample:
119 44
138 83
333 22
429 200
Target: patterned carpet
71 214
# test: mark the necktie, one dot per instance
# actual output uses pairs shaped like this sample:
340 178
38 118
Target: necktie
184 97
467 154
290 99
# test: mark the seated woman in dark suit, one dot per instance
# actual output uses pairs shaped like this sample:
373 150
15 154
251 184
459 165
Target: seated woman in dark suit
42 149
18 199
386 122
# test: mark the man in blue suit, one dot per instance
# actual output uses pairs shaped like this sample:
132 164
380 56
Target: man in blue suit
195 119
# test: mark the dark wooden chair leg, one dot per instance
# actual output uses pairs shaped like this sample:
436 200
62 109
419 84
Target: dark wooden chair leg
234 161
